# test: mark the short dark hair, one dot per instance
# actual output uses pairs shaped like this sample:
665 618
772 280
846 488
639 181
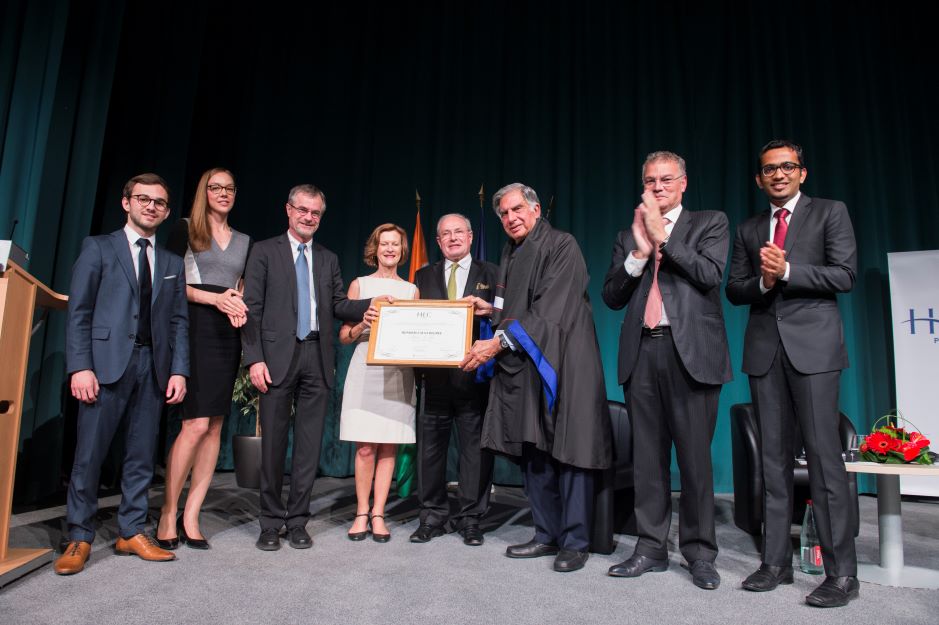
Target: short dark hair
776 144
147 178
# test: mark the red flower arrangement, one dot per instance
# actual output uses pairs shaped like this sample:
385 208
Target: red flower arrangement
890 444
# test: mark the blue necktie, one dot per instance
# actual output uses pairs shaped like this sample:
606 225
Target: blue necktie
303 293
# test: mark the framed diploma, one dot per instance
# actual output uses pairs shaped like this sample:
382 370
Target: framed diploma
421 333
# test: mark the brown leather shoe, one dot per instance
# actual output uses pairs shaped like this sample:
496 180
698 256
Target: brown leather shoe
74 558
145 546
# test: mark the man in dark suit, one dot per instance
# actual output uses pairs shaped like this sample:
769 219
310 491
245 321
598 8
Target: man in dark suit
673 359
127 351
287 342
787 265
453 396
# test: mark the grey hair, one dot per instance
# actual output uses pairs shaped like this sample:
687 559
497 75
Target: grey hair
663 155
306 189
469 226
529 195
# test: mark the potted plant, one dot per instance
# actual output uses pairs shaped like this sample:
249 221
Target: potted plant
246 448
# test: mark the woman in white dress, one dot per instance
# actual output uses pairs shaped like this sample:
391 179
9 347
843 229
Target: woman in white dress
377 402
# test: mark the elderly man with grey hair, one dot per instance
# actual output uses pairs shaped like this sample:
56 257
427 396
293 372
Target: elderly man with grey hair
547 405
453 397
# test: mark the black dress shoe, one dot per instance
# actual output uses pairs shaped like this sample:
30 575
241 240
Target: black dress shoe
299 538
472 536
569 560
834 592
269 540
357 536
531 549
192 543
636 565
380 538
425 532
703 574
767 577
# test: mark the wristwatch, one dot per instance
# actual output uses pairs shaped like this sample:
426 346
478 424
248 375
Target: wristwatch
503 342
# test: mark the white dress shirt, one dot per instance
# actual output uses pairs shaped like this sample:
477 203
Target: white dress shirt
132 237
462 273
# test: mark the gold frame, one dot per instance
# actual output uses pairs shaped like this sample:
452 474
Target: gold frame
420 303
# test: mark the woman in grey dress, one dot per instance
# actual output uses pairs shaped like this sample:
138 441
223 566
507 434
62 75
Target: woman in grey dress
215 257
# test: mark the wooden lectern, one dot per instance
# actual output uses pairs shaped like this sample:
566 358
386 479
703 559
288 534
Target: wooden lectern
20 295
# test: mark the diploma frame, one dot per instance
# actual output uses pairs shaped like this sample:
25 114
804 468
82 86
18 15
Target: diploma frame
385 330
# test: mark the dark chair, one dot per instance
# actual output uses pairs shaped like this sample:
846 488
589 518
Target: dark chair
748 471
613 509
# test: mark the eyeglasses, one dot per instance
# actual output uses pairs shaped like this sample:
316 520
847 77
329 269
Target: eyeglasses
303 212
787 168
216 189
455 234
146 200
665 181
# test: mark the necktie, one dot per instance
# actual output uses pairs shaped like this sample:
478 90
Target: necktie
145 284
653 312
451 282
779 235
303 293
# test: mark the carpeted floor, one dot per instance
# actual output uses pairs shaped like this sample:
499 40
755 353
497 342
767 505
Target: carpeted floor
338 582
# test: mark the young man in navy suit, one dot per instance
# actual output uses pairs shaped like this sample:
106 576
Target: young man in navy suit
127 352
788 264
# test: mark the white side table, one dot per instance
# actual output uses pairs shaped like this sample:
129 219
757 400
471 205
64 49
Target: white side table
891 571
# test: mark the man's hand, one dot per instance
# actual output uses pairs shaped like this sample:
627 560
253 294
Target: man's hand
643 246
85 386
372 313
652 219
480 353
260 376
481 308
772 264
176 389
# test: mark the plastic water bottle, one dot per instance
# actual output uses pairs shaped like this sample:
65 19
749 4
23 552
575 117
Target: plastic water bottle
811 559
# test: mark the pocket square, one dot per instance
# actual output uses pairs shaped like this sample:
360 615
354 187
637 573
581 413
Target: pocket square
170 277
480 286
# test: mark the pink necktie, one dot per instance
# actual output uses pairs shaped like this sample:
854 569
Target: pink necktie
653 312
779 235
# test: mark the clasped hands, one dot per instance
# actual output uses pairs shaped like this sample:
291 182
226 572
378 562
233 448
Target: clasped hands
648 228
230 303
772 264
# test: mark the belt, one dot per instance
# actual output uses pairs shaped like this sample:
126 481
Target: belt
657 332
312 336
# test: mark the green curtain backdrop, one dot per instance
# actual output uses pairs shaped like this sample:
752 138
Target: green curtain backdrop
373 100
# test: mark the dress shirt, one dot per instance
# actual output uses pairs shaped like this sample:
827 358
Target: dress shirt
634 266
791 207
308 253
462 273
132 237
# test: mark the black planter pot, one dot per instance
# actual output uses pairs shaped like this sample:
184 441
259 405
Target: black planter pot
247 456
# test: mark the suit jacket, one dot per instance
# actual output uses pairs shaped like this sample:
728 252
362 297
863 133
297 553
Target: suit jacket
104 303
803 312
480 282
690 275
270 334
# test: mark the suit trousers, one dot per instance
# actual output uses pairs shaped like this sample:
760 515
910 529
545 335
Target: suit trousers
434 425
561 499
667 406
305 382
782 397
132 405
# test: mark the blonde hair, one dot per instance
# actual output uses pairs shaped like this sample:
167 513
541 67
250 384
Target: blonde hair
371 246
200 232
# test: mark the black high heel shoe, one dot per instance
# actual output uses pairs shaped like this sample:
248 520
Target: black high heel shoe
379 538
192 543
357 536
170 544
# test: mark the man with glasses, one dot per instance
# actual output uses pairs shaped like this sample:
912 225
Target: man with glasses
453 396
127 352
294 292
673 358
788 264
